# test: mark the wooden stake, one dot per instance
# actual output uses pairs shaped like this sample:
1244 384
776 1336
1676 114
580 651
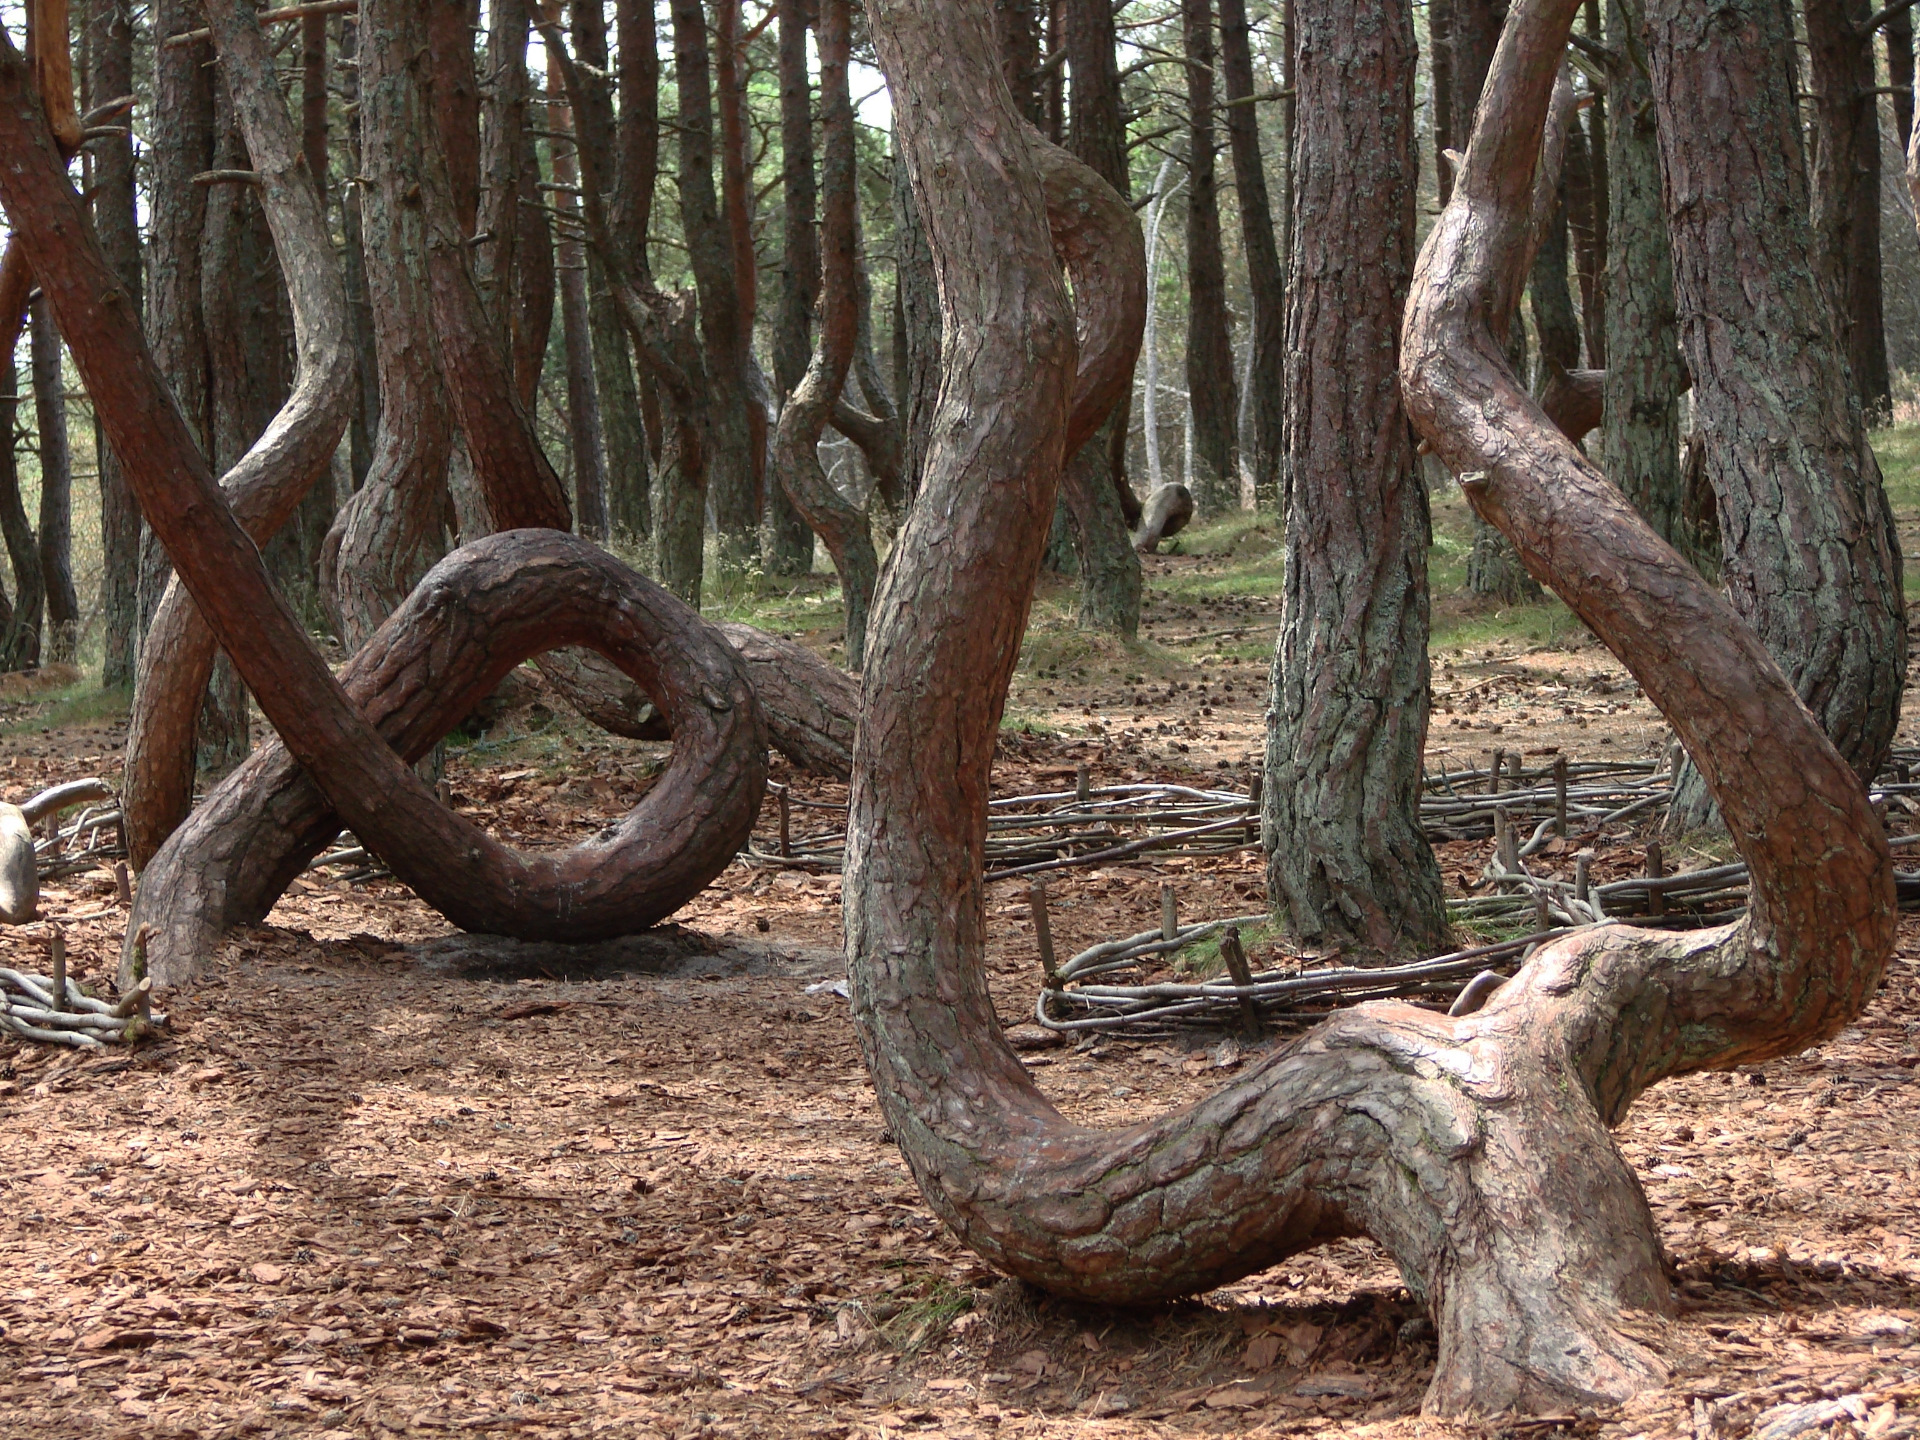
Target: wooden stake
1495 761
1082 784
1169 912
1656 870
1043 932
1254 788
1542 917
1242 973
122 884
1560 796
57 945
786 823
1581 863
1505 843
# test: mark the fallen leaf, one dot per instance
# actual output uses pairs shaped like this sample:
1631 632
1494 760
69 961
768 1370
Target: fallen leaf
267 1273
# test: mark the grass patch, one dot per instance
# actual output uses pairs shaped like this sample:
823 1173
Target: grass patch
923 1318
1201 960
82 703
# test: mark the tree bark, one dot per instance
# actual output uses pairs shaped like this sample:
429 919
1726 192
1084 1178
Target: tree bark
730 461
181 129
55 535
556 589
20 641
390 532
366 406
1446 124
1265 437
1587 184
264 486
1347 861
1641 413
624 439
918 336
1212 400
584 429
1846 189
1807 535
1899 33
1494 571
1555 321
839 524
789 539
1474 1149
736 207
1099 137
116 222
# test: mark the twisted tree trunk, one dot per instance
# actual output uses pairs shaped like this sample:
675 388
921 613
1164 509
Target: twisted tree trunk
1475 1149
266 484
579 595
1347 861
1805 528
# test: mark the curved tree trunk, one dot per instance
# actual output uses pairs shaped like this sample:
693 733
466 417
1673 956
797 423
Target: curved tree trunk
796 445
1347 861
265 485
1643 380
1475 1149
603 888
1804 521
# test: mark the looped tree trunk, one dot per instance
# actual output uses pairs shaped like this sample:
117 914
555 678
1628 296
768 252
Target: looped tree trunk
1475 1148
470 877
476 615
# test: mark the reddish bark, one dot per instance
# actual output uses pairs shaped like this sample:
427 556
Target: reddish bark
591 891
1212 395
1347 860
267 483
1474 1149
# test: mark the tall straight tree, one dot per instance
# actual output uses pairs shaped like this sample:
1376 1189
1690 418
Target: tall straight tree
789 539
25 617
55 532
731 466
1641 424
630 210
180 130
1264 436
1846 188
736 210
1211 393
116 223
1347 861
1094 485
622 430
587 440
390 531
1810 561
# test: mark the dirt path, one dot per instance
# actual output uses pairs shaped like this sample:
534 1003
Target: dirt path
384 1181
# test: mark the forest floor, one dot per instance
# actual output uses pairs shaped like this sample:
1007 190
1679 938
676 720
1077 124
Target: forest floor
382 1179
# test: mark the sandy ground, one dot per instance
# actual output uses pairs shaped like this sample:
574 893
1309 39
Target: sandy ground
382 1180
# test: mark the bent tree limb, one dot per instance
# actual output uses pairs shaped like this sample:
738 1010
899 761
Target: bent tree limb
271 479
841 525
476 615
1475 1149
475 881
